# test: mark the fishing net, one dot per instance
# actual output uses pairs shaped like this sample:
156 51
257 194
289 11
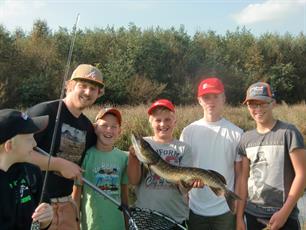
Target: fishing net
150 220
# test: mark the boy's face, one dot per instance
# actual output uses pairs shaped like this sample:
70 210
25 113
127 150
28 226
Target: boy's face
260 111
108 130
163 123
22 146
212 104
83 94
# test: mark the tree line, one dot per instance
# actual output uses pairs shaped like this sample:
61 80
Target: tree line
142 65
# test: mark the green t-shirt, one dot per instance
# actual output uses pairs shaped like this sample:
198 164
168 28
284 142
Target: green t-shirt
107 170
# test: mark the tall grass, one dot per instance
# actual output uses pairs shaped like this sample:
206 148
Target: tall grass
135 118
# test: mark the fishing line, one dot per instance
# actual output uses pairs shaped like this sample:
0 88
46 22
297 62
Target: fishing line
35 225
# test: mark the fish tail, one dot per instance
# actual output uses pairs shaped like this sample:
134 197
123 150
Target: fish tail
230 198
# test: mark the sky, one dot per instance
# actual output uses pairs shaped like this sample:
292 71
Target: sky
258 16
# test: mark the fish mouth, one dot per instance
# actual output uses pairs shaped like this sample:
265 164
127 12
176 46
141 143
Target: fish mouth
137 148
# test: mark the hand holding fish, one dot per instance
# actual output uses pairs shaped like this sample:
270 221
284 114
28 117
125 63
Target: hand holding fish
186 187
132 152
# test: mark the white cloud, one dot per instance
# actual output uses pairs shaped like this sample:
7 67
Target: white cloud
13 11
269 10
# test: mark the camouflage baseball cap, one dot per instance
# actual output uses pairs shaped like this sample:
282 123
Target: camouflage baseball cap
89 73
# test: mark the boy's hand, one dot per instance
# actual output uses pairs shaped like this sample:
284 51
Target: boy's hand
185 187
43 214
132 152
198 184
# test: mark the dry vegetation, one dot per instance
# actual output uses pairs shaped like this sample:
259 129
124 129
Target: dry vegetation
135 118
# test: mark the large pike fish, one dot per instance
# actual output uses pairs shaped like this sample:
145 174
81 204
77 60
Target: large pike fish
185 175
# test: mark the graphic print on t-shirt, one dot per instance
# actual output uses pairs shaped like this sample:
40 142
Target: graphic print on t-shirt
107 179
72 143
264 186
23 195
155 181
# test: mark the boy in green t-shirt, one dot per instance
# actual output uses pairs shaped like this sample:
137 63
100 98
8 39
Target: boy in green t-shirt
105 166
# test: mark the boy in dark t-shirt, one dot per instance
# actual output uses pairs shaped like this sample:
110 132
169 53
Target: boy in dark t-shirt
273 166
21 183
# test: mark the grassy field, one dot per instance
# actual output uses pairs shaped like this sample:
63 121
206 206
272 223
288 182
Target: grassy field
135 118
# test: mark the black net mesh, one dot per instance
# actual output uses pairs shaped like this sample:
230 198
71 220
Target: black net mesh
149 220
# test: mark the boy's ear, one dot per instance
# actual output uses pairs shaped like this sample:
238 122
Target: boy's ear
102 91
8 145
119 131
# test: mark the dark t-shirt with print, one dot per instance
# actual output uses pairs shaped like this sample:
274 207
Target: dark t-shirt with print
19 195
271 170
74 136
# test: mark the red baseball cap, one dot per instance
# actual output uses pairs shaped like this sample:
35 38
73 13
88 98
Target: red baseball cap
210 85
112 111
161 103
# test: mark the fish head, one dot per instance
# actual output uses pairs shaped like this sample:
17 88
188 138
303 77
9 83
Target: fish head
143 150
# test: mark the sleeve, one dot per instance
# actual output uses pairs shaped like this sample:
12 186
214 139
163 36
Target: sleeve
294 139
187 156
241 148
85 160
41 110
237 141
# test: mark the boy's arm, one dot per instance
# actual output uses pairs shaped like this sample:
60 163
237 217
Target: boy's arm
125 201
237 171
298 159
67 169
241 188
76 195
133 168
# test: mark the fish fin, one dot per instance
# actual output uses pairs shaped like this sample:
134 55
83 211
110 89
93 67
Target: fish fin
220 176
185 184
217 191
230 198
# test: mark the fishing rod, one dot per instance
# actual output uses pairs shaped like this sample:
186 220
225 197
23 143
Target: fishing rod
136 216
35 225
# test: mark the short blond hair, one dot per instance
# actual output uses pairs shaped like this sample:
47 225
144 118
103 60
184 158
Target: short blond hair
161 109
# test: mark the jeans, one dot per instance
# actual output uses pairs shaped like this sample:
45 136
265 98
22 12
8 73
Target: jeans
254 224
224 221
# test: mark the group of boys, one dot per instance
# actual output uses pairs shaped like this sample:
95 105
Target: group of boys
266 166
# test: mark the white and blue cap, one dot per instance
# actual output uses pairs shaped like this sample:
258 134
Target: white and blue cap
14 122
